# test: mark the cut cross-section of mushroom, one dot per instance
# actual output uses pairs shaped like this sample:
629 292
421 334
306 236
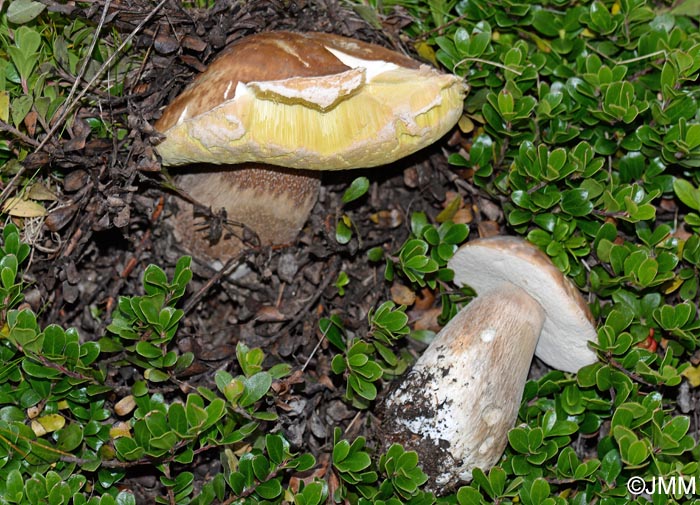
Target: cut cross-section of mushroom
456 405
307 101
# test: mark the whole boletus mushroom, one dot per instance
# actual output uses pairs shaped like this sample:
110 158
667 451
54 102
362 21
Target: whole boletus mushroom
457 404
275 108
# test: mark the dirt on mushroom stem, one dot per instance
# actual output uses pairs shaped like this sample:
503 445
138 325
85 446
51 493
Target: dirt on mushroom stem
455 407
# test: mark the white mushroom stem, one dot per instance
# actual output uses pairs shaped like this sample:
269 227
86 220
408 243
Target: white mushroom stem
462 396
457 404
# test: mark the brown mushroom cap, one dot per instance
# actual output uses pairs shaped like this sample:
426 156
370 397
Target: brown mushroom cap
311 101
270 56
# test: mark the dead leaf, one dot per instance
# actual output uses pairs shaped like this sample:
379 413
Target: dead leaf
125 405
402 295
37 428
425 299
466 124
17 207
411 177
165 44
120 429
426 52
426 319
488 229
75 180
4 106
81 131
269 314
34 161
194 43
387 218
463 216
451 207
30 122
40 192
692 373
60 217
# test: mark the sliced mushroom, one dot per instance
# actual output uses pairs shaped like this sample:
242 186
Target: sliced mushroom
302 101
457 404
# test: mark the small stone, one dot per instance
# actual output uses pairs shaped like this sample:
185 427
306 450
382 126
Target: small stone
287 267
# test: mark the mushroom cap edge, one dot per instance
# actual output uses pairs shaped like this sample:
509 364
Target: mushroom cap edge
485 263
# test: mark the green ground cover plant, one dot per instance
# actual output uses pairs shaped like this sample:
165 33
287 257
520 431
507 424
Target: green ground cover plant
585 130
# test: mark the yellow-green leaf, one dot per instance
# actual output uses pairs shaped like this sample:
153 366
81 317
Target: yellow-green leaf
40 192
4 106
692 373
52 422
449 211
17 207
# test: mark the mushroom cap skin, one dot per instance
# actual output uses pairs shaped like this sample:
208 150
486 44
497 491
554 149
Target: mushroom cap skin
312 101
486 263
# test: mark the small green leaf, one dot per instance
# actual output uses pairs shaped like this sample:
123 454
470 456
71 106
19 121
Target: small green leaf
69 437
261 467
155 375
343 232
14 489
148 350
688 194
575 202
256 387
270 489
23 11
275 448
357 188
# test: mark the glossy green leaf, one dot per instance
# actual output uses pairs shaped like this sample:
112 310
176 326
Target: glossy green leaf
357 189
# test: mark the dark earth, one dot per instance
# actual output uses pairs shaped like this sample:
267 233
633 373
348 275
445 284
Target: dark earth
111 222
